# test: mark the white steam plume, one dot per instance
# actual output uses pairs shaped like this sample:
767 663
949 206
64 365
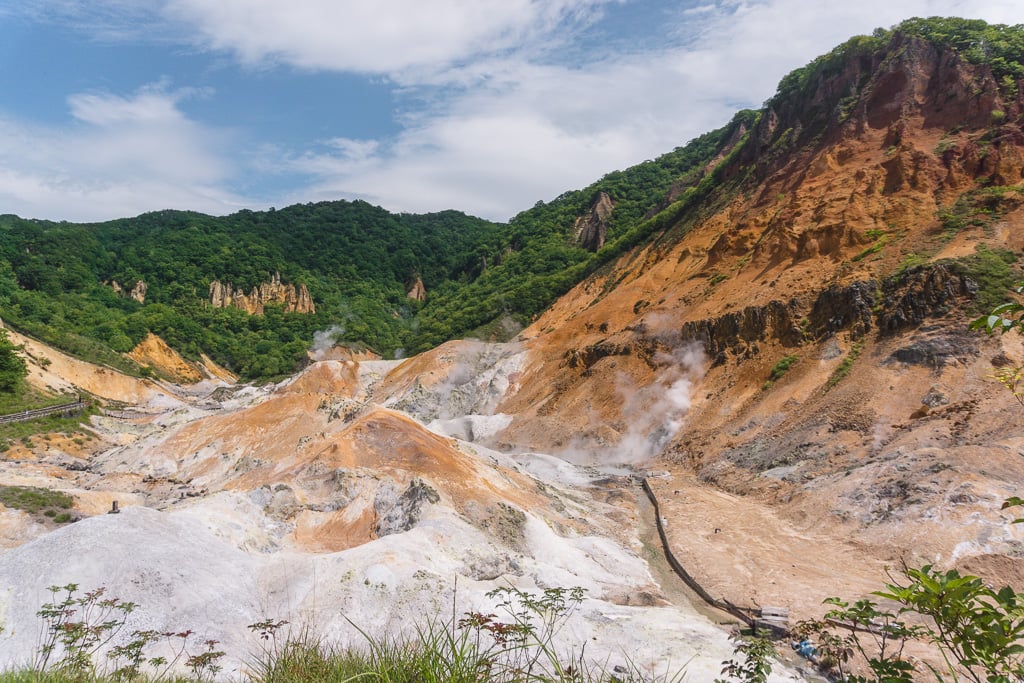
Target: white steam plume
324 341
653 414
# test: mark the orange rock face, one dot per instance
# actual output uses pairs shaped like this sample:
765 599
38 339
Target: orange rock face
834 251
154 352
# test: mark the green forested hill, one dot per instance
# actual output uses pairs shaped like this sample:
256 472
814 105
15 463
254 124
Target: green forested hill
354 258
357 259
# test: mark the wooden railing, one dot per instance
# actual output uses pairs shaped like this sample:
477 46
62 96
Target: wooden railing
745 614
63 409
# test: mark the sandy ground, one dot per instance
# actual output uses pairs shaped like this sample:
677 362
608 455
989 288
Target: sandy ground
242 504
743 552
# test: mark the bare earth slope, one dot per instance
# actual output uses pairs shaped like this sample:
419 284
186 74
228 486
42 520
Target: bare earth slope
886 439
788 364
312 501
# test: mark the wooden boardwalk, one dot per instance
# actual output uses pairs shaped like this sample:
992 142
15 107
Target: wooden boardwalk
63 409
775 620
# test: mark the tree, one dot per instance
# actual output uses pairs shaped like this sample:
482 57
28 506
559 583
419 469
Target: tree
12 365
977 630
1003 318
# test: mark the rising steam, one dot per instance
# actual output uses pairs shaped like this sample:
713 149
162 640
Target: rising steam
652 414
324 341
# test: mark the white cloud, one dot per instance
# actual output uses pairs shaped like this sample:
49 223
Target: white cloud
514 131
499 148
123 156
492 121
373 36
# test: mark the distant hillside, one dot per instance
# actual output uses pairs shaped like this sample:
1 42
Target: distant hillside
76 285
360 263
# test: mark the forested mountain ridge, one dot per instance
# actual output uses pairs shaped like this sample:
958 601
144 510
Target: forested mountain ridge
358 261
770 325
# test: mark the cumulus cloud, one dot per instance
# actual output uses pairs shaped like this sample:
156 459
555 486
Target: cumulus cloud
501 103
510 131
122 155
499 147
374 36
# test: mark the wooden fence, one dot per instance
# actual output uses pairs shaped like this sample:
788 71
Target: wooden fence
63 409
745 614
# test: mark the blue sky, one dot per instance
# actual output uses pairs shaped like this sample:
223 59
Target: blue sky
109 108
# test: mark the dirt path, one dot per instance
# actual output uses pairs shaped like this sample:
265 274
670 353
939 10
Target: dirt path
673 587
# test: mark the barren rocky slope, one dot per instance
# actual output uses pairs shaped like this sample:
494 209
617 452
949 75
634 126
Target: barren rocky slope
319 501
788 365
855 256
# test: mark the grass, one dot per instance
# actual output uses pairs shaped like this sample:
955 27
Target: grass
34 500
718 277
27 398
844 368
39 502
780 369
478 648
911 260
873 249
993 270
979 208
20 431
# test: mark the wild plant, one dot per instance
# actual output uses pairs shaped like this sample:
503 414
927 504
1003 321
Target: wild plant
205 665
516 647
527 641
977 631
755 665
76 627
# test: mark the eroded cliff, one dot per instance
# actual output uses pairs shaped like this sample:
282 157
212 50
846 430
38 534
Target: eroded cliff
294 299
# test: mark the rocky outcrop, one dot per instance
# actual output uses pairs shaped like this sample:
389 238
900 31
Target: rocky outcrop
922 293
416 290
584 358
937 347
739 333
592 229
136 293
838 308
896 304
398 513
295 299
874 89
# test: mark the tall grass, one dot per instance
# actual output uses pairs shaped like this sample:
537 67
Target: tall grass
518 647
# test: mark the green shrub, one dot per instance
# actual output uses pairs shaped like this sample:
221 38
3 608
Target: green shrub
780 369
717 277
844 368
992 270
34 500
977 630
873 249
